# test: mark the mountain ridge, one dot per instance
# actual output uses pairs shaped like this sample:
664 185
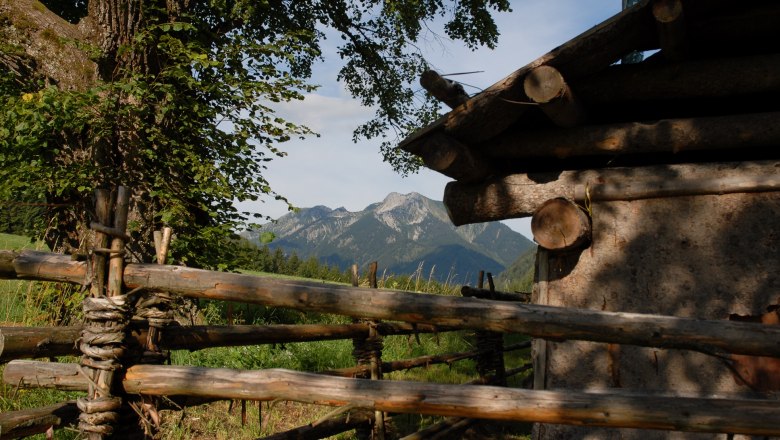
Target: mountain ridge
404 233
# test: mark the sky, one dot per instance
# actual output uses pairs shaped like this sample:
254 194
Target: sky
333 171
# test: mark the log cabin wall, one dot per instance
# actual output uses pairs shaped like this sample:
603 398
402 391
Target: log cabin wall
698 256
676 162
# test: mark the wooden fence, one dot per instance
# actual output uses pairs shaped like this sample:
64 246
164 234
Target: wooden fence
122 291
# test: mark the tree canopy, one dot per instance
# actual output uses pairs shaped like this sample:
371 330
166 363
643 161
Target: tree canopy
174 98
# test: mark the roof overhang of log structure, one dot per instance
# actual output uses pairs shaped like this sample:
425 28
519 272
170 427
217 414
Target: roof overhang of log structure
574 119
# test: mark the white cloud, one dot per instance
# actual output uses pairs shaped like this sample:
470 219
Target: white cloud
331 170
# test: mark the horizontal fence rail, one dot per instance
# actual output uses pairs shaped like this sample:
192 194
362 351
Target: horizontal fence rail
546 322
608 409
30 342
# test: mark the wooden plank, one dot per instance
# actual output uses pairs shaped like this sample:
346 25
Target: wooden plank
23 423
733 132
520 195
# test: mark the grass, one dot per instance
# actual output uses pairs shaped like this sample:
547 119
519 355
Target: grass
31 303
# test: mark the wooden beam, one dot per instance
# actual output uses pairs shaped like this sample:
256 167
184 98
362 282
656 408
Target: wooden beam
720 77
492 111
443 89
670 18
27 422
613 409
757 130
41 266
546 86
446 155
457 312
520 195
536 321
31 342
560 225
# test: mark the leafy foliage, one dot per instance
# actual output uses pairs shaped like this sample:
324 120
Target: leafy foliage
184 114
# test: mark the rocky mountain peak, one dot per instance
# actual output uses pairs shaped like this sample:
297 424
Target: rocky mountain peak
401 232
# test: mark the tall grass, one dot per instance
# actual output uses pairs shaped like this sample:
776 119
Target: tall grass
36 304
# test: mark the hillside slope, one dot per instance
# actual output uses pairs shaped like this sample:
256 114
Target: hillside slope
404 233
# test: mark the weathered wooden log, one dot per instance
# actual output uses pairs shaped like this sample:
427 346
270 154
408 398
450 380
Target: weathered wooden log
42 266
24 423
670 18
613 409
702 78
454 312
484 116
422 361
546 86
469 291
27 342
54 375
533 320
325 428
492 111
446 155
560 225
625 410
757 130
443 89
30 342
520 195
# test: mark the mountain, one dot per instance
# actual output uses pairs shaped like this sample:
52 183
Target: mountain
403 233
519 276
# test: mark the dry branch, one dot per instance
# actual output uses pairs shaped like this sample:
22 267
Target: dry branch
422 361
18 424
325 428
614 409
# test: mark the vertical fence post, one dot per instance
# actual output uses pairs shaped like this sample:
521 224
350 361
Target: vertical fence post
106 312
491 363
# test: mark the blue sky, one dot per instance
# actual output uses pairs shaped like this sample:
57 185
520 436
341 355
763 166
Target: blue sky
333 171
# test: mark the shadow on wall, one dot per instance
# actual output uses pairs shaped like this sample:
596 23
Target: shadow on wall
694 256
